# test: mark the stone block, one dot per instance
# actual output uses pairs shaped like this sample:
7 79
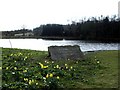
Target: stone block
65 53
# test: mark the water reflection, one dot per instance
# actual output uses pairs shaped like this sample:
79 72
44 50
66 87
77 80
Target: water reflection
40 44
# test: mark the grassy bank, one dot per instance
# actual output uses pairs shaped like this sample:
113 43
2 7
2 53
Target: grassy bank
34 69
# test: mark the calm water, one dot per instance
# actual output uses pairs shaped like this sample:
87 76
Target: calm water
40 44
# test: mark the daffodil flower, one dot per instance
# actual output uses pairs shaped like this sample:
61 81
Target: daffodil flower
58 77
13 72
7 68
11 54
25 79
36 83
66 67
30 82
98 62
71 67
47 75
0 68
57 66
45 66
41 65
51 75
65 64
15 68
25 58
24 70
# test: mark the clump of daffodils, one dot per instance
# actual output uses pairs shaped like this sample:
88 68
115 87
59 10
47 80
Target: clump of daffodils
49 75
24 70
42 66
31 81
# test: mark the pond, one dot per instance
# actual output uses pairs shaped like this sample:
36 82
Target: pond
42 45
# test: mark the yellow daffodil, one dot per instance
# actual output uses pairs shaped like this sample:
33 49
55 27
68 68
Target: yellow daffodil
25 79
25 58
51 75
47 75
36 83
66 67
0 68
20 54
24 70
65 64
47 62
57 66
71 67
30 82
58 77
7 68
33 80
45 66
52 61
41 65
98 62
15 68
11 54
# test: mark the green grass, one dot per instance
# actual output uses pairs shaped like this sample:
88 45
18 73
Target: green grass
98 70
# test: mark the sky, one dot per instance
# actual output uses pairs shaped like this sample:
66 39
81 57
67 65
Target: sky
18 14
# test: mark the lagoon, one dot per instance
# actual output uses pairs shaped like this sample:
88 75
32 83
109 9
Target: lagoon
42 45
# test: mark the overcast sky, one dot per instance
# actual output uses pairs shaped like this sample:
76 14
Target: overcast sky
14 14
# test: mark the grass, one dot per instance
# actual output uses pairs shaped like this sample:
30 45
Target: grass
30 69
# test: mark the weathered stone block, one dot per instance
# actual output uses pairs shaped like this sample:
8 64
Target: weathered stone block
65 52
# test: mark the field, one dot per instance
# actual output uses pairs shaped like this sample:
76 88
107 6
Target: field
30 69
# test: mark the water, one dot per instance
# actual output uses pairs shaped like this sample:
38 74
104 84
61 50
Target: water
40 44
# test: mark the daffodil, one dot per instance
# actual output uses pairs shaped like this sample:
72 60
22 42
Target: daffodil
36 83
98 62
41 65
52 61
7 68
20 53
45 66
47 75
65 64
66 67
15 68
25 58
71 67
11 54
24 70
47 62
77 62
33 80
58 77
25 79
57 66
30 82
13 72
51 75
0 68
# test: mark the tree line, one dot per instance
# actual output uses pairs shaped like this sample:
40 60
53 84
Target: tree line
102 29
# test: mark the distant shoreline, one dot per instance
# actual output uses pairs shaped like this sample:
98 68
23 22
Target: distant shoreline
108 40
